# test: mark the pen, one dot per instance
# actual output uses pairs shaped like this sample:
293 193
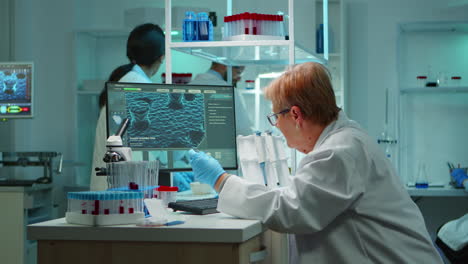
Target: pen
177 222
449 165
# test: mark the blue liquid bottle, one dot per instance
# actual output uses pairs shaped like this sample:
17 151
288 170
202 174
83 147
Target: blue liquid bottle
319 39
189 27
205 27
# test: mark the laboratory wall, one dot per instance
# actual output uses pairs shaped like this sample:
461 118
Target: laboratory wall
44 33
373 28
6 30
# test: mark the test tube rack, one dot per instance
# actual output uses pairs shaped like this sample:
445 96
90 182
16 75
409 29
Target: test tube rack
105 208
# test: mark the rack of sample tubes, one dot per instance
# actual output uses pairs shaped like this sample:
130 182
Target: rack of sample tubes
253 26
133 176
104 207
129 182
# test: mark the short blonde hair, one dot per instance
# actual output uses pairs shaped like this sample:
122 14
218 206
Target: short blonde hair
307 86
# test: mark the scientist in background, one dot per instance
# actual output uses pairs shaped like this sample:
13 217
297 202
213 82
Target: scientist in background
345 203
145 51
217 75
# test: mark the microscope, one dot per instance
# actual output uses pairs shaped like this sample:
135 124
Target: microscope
115 150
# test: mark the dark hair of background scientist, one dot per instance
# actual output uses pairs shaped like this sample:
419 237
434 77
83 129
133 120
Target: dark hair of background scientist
145 45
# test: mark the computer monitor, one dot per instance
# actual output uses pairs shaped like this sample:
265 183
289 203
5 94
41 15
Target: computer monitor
16 89
167 120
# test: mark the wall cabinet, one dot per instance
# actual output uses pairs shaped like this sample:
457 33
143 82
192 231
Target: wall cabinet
20 207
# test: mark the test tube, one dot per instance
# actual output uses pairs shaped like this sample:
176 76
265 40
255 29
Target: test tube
253 18
105 204
422 80
236 25
84 204
248 24
69 202
121 204
282 31
456 80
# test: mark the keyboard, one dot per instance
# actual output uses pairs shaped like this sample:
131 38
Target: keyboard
200 207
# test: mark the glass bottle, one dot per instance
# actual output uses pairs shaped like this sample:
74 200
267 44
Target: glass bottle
442 79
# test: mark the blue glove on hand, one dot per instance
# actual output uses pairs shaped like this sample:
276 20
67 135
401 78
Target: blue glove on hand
459 175
183 180
205 168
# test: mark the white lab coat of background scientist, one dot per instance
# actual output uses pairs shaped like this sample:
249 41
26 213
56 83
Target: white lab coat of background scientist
99 183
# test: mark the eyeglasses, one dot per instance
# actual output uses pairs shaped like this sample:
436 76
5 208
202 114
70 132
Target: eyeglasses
273 117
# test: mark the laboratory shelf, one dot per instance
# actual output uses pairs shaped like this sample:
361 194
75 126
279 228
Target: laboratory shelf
441 89
249 92
435 27
265 52
232 43
446 191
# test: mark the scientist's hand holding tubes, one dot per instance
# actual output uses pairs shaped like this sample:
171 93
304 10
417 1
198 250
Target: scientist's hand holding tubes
205 168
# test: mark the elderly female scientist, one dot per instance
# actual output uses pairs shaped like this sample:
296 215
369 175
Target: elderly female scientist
345 204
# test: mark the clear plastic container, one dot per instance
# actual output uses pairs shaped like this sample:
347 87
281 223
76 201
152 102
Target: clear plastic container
442 79
455 81
167 194
249 84
422 80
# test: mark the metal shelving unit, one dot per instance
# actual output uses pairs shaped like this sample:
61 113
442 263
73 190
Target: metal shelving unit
243 52
266 52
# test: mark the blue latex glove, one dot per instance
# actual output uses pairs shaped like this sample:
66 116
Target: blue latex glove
205 168
459 176
183 180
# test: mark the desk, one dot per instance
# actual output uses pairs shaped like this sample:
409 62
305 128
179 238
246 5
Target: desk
215 238
445 191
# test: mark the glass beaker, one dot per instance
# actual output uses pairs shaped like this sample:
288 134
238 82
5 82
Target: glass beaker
421 177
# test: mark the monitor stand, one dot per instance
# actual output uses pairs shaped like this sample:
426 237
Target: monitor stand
166 178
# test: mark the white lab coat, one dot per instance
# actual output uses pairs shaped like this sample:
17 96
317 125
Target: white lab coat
99 183
344 205
244 124
455 233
